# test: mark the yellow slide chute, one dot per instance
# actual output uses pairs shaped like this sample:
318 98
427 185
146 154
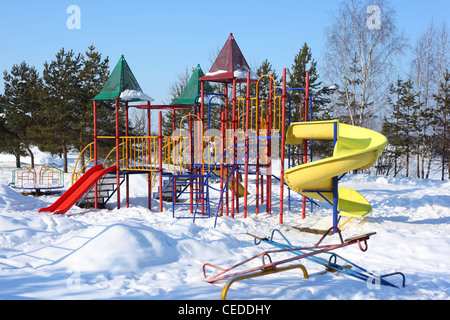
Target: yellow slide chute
355 148
230 184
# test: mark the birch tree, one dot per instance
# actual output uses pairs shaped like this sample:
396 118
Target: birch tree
430 60
365 31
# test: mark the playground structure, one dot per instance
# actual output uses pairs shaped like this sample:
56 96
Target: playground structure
252 133
45 179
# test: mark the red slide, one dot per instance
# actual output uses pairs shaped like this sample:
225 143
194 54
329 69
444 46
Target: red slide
79 188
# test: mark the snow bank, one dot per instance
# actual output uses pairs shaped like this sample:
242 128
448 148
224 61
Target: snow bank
122 248
133 253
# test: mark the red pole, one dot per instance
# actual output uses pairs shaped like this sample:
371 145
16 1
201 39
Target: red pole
117 155
160 171
149 151
226 145
305 141
233 159
191 166
283 141
174 198
202 114
95 150
269 151
236 174
222 171
173 120
202 102
247 145
127 181
262 189
257 150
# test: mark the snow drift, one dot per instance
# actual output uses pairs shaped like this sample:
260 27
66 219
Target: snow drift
133 253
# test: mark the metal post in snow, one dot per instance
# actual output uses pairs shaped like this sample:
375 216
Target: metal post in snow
149 175
247 145
283 139
95 151
335 182
160 169
117 154
127 181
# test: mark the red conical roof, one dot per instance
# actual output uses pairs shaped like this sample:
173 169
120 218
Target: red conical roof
229 64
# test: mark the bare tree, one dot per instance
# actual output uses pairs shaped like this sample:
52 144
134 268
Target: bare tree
362 43
430 60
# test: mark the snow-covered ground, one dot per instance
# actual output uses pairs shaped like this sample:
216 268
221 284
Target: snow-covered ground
133 253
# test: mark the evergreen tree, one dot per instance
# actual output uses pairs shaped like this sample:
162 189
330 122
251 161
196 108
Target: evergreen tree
443 115
304 62
20 104
56 130
265 68
402 125
93 73
391 127
65 119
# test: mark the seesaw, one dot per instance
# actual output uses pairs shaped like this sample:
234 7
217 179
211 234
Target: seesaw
311 253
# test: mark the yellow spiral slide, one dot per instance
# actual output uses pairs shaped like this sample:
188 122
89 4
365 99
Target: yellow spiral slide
354 148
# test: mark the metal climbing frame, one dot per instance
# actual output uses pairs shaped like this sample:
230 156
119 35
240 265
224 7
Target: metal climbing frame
48 178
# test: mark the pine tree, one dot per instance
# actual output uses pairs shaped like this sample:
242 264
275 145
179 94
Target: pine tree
93 73
401 127
304 62
60 104
443 115
265 68
391 127
20 104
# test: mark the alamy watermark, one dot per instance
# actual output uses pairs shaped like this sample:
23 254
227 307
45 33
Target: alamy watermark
73 281
374 20
213 147
73 22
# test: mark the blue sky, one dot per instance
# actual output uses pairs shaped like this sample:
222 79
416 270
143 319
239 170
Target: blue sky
160 39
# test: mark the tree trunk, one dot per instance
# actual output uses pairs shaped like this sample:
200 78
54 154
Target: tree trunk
418 164
407 163
443 156
430 154
17 155
65 155
82 161
422 166
444 148
31 156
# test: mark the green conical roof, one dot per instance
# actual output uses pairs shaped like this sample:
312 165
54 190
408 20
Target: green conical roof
121 79
193 88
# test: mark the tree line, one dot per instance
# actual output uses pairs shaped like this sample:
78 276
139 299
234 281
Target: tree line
365 87
409 106
54 111
417 122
